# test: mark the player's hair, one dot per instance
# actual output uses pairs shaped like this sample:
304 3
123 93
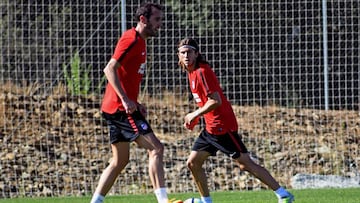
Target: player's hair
194 45
146 10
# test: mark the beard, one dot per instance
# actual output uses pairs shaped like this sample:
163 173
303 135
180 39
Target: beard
151 31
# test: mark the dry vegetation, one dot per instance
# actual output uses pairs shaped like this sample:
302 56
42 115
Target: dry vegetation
53 144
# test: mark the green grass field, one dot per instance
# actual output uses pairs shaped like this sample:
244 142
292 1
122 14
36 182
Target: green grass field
349 195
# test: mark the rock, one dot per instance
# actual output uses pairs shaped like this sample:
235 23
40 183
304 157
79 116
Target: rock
63 147
47 192
303 181
10 156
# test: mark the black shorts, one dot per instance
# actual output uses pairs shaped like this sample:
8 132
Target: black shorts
229 143
125 127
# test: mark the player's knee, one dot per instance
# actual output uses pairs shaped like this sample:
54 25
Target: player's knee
158 151
191 164
118 166
244 162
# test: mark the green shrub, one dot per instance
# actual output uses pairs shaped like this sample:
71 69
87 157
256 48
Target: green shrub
77 80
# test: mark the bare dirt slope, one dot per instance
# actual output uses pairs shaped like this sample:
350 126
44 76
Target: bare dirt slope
58 145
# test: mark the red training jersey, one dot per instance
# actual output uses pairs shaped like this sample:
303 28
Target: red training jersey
203 82
130 52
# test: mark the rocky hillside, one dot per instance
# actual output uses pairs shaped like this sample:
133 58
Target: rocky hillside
58 145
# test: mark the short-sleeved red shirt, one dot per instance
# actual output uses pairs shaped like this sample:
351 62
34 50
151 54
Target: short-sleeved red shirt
130 52
203 82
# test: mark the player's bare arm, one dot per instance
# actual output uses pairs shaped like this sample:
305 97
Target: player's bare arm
110 73
214 101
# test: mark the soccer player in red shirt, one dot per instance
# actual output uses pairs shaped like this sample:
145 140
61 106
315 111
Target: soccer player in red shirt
221 127
124 115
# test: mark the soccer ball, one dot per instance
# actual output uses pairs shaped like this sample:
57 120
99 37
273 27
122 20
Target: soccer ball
193 200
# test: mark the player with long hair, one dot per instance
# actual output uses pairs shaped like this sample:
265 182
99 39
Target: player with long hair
221 126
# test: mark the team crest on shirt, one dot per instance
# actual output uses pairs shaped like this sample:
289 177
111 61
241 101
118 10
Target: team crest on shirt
144 126
142 69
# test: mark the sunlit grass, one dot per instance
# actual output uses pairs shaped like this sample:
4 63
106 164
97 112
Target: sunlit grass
350 195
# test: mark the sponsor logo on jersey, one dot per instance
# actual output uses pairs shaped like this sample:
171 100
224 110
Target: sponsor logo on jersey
196 97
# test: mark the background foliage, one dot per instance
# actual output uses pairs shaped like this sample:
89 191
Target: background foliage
263 52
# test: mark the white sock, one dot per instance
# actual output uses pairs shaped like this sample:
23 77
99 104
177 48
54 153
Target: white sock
161 195
206 199
97 198
281 192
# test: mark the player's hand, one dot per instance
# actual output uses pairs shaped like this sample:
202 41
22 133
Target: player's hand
191 120
192 124
129 105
